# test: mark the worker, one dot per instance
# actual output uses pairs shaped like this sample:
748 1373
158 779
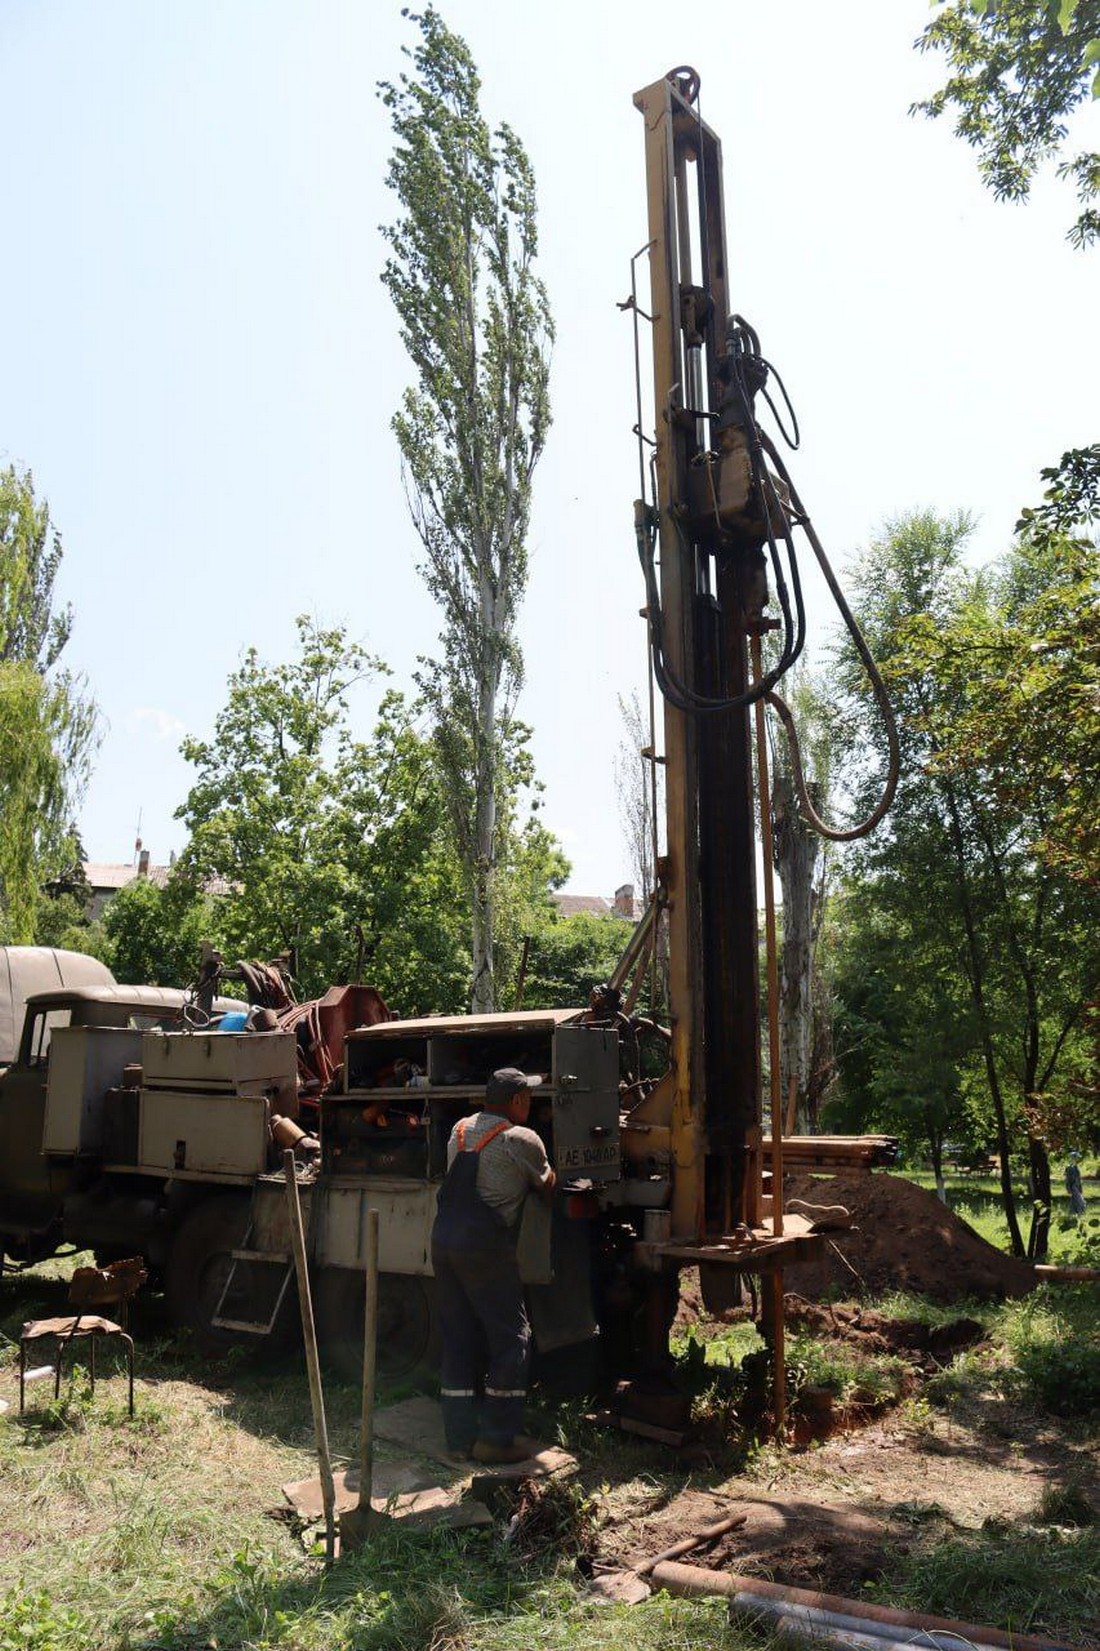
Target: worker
493 1164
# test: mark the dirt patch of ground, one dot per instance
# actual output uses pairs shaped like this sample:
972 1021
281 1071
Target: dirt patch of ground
905 1239
835 1517
828 1545
873 1332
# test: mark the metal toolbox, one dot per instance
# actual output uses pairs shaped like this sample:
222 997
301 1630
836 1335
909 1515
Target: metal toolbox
207 1135
85 1061
248 1062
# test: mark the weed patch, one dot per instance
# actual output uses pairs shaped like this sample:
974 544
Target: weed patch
1054 1342
853 1378
31 1621
1021 1579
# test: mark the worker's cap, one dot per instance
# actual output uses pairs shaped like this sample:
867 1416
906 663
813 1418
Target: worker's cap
506 1081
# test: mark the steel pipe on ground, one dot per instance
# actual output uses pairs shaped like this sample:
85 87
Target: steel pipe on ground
695 1579
840 1633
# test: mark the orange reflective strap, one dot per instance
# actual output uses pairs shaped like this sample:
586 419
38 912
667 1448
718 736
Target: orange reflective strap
492 1135
460 1133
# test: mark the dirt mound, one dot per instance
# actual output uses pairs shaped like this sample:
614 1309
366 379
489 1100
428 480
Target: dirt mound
906 1240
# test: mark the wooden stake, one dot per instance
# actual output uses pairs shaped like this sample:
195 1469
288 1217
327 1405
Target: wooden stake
313 1362
370 1347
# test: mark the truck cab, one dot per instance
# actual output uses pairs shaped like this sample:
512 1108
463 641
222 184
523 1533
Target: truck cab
34 1182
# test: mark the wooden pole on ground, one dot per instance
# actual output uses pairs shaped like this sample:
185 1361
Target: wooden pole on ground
313 1362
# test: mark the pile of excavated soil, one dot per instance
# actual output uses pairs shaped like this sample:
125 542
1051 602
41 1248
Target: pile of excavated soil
905 1240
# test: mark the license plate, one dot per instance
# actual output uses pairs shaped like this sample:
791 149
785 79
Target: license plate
590 1157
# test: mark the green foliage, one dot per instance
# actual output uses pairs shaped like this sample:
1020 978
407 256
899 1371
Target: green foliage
329 846
854 1378
1055 1347
1019 68
32 1621
47 724
1011 1576
153 935
902 1029
1065 1505
570 955
476 322
968 949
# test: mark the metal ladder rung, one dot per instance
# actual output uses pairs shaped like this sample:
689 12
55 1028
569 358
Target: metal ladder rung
245 1326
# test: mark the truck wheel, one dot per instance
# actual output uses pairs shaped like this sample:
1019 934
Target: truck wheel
198 1266
408 1330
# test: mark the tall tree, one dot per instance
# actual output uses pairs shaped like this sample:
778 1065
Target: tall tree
47 720
799 856
639 785
1019 69
476 323
904 1031
328 846
959 858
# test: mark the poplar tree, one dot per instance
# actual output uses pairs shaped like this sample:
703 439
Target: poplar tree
476 323
47 722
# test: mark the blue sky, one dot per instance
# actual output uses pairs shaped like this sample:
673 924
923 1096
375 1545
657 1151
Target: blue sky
200 363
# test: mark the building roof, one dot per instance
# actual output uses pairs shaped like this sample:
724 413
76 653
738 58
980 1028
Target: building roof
105 878
570 904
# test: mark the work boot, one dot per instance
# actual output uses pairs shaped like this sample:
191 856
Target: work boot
494 1453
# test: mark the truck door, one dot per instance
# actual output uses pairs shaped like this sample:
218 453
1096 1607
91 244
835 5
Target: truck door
586 1103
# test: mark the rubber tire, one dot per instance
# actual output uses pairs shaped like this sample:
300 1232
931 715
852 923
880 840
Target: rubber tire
408 1325
198 1265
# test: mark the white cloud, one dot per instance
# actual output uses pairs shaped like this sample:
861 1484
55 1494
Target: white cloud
150 719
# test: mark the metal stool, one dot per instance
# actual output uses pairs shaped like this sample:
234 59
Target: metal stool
67 1330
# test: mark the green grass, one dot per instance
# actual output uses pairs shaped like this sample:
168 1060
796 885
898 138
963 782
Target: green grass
1020 1577
977 1200
1045 1358
156 1534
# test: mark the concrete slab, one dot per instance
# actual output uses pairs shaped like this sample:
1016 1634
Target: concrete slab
545 1465
417 1506
416 1425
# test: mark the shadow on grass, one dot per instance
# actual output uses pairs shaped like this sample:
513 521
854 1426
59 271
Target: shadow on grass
413 1592
1022 1579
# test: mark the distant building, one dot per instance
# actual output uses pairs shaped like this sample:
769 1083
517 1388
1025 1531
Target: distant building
625 904
622 904
571 905
105 879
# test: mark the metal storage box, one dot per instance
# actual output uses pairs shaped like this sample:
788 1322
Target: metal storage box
249 1062
85 1061
206 1135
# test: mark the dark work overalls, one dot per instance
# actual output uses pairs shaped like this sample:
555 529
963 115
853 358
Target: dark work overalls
482 1317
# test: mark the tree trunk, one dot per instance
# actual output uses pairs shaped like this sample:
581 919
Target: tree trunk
977 992
483 994
935 1143
1039 1165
